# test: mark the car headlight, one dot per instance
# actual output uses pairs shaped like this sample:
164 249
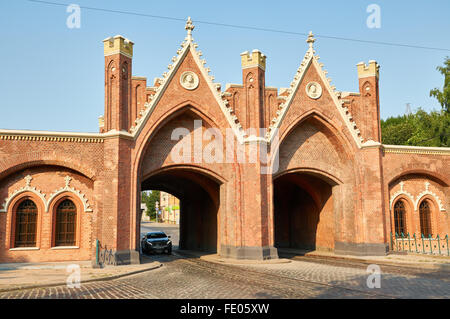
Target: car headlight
148 242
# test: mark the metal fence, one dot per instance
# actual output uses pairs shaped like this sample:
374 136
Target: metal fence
420 244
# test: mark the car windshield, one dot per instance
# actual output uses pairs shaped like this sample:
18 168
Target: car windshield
156 235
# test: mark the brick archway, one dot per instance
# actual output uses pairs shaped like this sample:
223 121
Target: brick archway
199 195
197 186
303 211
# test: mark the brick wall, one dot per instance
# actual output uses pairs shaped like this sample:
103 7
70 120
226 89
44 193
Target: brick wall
341 193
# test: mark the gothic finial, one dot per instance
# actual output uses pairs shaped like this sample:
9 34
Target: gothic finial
189 27
67 179
28 179
310 39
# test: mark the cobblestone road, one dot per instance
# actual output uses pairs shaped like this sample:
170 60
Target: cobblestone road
193 278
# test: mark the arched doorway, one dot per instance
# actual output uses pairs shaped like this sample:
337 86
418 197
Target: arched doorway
303 212
199 196
169 163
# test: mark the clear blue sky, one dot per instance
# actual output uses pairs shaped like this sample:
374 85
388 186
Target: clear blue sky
52 76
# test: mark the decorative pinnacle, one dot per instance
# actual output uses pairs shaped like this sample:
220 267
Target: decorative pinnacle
189 27
310 39
67 179
28 179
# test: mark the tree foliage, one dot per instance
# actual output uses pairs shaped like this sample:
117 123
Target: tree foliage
150 198
418 129
422 128
443 96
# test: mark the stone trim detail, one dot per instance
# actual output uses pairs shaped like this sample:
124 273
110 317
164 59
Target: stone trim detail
54 138
29 188
72 190
428 192
26 188
314 94
403 149
189 85
188 45
401 192
309 59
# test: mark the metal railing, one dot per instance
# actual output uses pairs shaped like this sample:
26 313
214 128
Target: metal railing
420 244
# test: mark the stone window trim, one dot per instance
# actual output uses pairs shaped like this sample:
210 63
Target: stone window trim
427 222
426 193
26 224
78 221
435 218
12 216
47 202
24 248
19 193
409 212
400 217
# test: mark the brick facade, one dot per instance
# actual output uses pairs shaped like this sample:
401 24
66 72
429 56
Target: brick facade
334 187
169 206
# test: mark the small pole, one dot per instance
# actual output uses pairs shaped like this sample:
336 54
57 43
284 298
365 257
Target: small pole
409 242
96 251
448 251
439 243
396 241
415 242
431 245
403 241
423 245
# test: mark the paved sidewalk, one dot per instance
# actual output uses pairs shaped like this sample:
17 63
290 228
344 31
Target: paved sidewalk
441 263
218 259
15 276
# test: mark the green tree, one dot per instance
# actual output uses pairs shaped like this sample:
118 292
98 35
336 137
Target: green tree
397 130
418 129
443 96
422 128
150 198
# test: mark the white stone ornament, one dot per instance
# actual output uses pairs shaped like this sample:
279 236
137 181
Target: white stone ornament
29 188
314 90
189 80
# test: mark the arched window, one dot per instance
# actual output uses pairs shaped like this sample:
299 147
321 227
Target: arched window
400 217
26 221
425 218
66 216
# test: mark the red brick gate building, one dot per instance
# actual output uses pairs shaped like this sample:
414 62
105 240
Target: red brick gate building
330 183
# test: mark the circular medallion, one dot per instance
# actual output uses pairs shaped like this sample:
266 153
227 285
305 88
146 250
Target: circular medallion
189 80
314 90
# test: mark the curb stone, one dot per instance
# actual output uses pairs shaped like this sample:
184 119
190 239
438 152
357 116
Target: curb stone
230 261
81 282
441 267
